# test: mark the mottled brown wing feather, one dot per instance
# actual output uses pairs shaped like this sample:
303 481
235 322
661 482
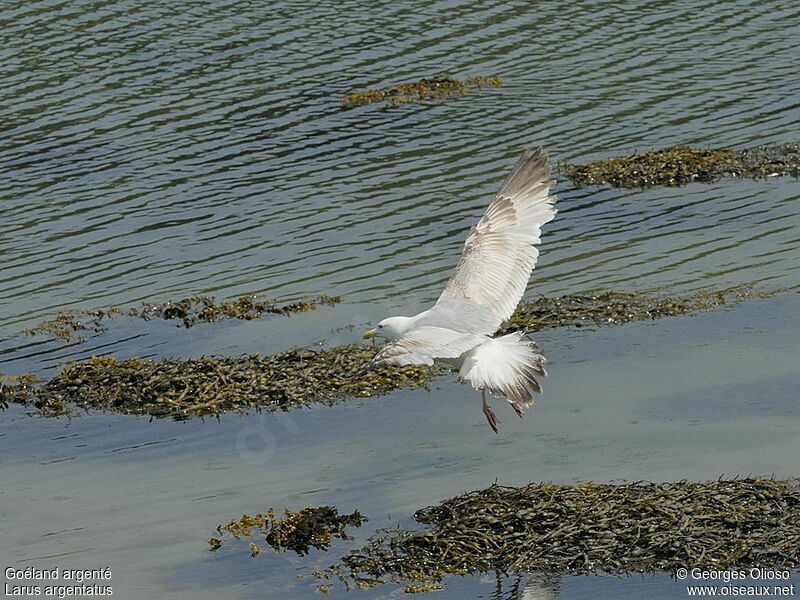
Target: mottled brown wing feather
500 253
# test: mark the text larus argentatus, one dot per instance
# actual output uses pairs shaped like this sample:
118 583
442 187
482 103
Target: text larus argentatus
483 291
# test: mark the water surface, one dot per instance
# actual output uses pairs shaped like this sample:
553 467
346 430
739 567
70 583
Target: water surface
153 151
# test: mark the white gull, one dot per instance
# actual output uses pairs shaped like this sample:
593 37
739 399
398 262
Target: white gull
481 294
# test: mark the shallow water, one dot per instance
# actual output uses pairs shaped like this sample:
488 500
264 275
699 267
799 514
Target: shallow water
153 152
693 398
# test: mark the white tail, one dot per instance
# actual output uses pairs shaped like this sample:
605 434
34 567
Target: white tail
506 366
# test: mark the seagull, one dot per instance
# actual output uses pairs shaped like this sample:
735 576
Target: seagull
483 291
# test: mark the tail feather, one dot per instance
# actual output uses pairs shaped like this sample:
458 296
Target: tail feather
506 366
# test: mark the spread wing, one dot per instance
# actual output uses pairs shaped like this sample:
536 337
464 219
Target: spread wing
500 251
421 345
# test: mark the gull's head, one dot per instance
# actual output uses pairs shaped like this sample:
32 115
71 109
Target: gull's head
390 329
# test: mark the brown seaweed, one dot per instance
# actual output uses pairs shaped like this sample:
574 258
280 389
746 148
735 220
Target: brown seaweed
190 311
679 165
311 527
214 385
440 87
588 528
615 308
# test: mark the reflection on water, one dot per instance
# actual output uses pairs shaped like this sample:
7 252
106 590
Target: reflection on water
155 151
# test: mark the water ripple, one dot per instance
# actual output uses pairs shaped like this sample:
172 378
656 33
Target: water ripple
153 153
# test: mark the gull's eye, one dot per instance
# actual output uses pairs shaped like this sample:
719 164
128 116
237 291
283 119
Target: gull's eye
380 326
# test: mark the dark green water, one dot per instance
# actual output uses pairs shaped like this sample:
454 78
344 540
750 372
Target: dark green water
156 150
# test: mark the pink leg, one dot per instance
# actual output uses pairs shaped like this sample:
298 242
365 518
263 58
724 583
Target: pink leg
487 410
519 409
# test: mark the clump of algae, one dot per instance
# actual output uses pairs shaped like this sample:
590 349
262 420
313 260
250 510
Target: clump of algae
17 389
679 165
214 385
311 527
440 87
615 308
190 311
587 528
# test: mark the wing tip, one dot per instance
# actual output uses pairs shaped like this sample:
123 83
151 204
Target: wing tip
531 169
